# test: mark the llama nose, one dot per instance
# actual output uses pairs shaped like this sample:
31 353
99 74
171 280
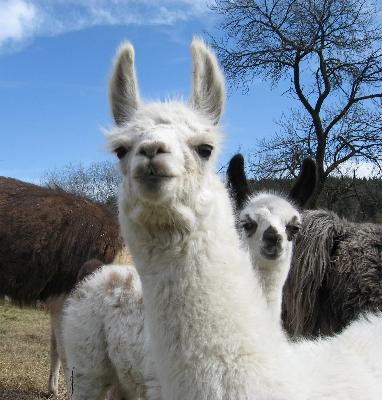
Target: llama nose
271 237
150 150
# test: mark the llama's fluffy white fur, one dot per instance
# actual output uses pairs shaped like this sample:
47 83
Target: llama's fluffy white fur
211 333
105 338
55 306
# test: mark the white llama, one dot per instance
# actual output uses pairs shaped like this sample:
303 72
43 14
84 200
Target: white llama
105 338
211 334
268 223
177 218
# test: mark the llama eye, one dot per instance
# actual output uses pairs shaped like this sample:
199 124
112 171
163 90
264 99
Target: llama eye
204 150
249 227
292 230
120 151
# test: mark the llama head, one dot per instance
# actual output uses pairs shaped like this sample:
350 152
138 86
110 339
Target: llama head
269 222
167 150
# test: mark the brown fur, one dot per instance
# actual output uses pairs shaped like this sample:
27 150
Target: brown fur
45 237
88 268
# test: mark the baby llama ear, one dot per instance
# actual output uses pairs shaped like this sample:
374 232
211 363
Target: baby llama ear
123 85
208 89
306 183
237 181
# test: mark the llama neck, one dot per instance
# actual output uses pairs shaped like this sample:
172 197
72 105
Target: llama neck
273 275
204 306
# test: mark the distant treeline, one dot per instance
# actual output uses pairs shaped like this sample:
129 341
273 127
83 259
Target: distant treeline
355 199
358 200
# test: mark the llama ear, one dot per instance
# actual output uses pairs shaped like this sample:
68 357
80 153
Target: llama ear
123 85
237 181
306 183
208 89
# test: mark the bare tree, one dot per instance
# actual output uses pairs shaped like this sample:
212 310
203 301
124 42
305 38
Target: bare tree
330 50
99 181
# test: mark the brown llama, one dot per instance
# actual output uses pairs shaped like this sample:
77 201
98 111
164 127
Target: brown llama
45 237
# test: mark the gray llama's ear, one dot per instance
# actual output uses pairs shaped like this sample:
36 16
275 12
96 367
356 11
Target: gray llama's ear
208 89
237 181
123 85
306 183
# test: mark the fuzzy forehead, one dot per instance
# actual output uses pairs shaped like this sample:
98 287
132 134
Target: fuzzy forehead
178 117
275 204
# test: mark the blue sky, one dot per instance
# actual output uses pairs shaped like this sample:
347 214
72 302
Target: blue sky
55 57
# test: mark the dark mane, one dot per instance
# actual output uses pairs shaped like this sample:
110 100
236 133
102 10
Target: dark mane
45 237
335 276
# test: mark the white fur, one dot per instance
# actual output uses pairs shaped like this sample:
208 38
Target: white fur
55 306
212 336
105 338
358 344
267 210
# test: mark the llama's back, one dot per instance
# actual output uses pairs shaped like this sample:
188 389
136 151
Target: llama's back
103 332
354 281
347 364
45 237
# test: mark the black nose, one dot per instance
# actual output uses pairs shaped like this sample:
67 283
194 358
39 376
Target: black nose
271 237
150 150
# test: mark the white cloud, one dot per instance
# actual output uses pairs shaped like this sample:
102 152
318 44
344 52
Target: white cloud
18 20
22 20
361 169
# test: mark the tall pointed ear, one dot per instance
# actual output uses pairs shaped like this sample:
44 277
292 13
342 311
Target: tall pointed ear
237 181
306 183
208 89
123 85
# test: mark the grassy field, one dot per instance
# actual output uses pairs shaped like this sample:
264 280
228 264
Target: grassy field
24 353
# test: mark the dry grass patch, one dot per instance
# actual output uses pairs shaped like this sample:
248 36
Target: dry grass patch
24 353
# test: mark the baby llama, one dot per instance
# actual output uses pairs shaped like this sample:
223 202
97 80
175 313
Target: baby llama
268 224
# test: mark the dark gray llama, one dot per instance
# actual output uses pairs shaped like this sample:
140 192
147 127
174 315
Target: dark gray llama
336 274
336 271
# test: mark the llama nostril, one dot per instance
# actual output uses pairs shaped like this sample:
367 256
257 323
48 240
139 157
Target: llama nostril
150 150
271 236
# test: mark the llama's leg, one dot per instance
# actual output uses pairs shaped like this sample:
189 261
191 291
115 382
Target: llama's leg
55 306
55 363
80 387
88 372
115 393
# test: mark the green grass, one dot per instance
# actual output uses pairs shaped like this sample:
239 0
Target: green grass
24 353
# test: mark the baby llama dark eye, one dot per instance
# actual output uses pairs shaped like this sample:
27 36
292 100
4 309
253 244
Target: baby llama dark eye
249 227
292 230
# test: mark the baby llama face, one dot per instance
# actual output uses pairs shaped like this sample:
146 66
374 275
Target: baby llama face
269 223
167 150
